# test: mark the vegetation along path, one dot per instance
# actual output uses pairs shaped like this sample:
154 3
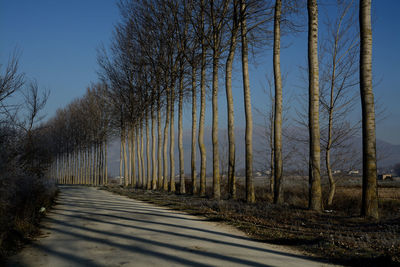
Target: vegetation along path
90 227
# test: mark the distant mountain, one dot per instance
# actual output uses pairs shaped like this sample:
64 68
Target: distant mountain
388 154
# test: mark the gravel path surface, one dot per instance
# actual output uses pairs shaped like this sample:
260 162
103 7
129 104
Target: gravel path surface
90 227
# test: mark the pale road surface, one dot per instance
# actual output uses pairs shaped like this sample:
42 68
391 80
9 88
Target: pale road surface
91 227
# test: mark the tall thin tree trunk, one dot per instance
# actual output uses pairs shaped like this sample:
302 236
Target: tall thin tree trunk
159 145
332 183
278 167
315 194
250 196
96 174
67 174
202 146
182 187
172 141
165 148
194 126
133 155
63 168
69 178
148 183
78 165
71 181
139 162
121 157
126 175
70 173
100 162
129 143
85 166
369 193
75 166
142 159
271 161
89 164
215 144
153 149
230 108
92 164
105 162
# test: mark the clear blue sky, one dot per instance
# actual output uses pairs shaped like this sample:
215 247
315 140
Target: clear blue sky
58 41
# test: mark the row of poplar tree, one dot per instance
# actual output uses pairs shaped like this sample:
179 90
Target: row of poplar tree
163 53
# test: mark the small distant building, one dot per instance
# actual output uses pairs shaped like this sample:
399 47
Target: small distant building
337 172
385 176
354 172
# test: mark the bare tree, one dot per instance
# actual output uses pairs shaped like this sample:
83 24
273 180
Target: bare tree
10 81
277 151
202 146
250 195
315 192
34 103
369 193
217 13
229 99
338 70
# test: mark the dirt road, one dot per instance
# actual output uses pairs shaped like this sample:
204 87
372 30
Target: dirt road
90 227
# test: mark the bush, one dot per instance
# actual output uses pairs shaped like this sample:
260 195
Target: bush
21 198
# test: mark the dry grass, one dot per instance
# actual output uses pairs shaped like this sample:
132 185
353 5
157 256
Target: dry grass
341 235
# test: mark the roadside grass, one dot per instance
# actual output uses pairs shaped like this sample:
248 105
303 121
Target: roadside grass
21 202
339 234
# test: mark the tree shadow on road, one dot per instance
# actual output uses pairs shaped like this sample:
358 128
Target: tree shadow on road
83 217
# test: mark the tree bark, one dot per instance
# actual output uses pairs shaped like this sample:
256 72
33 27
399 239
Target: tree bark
172 141
105 162
133 156
159 152
87 166
230 108
129 143
166 126
142 159
250 196
148 183
369 193
182 186
315 194
96 170
91 170
121 152
126 174
278 167
332 182
194 126
139 161
202 147
215 144
100 162
153 149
